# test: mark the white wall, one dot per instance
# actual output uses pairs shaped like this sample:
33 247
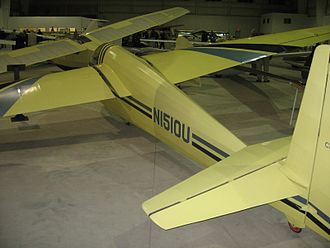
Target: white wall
48 22
194 22
276 22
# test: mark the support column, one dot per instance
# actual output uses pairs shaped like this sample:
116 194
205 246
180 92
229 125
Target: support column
320 11
4 13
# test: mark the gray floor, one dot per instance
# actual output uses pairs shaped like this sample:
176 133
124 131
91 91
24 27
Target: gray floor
77 176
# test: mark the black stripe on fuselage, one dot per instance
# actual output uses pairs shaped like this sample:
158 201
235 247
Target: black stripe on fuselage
309 215
105 79
202 149
147 111
318 223
212 147
137 108
103 51
293 205
140 103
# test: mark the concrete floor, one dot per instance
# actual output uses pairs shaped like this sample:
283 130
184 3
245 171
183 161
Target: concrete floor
77 176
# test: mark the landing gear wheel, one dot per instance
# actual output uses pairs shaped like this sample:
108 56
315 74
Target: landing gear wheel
294 228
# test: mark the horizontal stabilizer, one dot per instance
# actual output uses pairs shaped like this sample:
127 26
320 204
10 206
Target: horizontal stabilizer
53 91
226 187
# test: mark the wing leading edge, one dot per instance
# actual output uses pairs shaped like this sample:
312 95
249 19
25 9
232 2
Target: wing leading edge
133 25
226 187
53 91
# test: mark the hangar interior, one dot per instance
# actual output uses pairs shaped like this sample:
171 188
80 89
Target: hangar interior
77 176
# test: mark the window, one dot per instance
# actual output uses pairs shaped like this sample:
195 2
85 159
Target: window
287 20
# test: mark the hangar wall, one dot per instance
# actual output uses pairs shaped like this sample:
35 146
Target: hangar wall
79 23
220 23
104 8
221 15
280 22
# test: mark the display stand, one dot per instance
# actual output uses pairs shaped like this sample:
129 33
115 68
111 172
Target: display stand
294 106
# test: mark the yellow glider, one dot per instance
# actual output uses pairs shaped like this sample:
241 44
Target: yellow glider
142 91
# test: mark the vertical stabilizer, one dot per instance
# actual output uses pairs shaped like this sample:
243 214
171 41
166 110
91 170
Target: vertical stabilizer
308 161
183 43
301 158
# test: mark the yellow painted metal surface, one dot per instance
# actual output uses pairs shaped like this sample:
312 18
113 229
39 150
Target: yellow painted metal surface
133 25
166 112
319 195
39 53
300 37
58 49
309 154
298 186
118 85
76 60
57 90
305 138
248 178
183 65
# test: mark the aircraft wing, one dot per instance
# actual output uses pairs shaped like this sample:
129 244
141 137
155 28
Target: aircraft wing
281 42
182 65
137 24
89 41
246 179
56 90
39 53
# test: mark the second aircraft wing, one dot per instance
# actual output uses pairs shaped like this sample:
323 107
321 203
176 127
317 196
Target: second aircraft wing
182 65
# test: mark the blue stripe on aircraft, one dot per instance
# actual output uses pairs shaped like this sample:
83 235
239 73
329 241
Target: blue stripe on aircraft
319 211
10 95
236 55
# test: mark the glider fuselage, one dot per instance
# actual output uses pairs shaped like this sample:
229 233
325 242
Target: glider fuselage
164 111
